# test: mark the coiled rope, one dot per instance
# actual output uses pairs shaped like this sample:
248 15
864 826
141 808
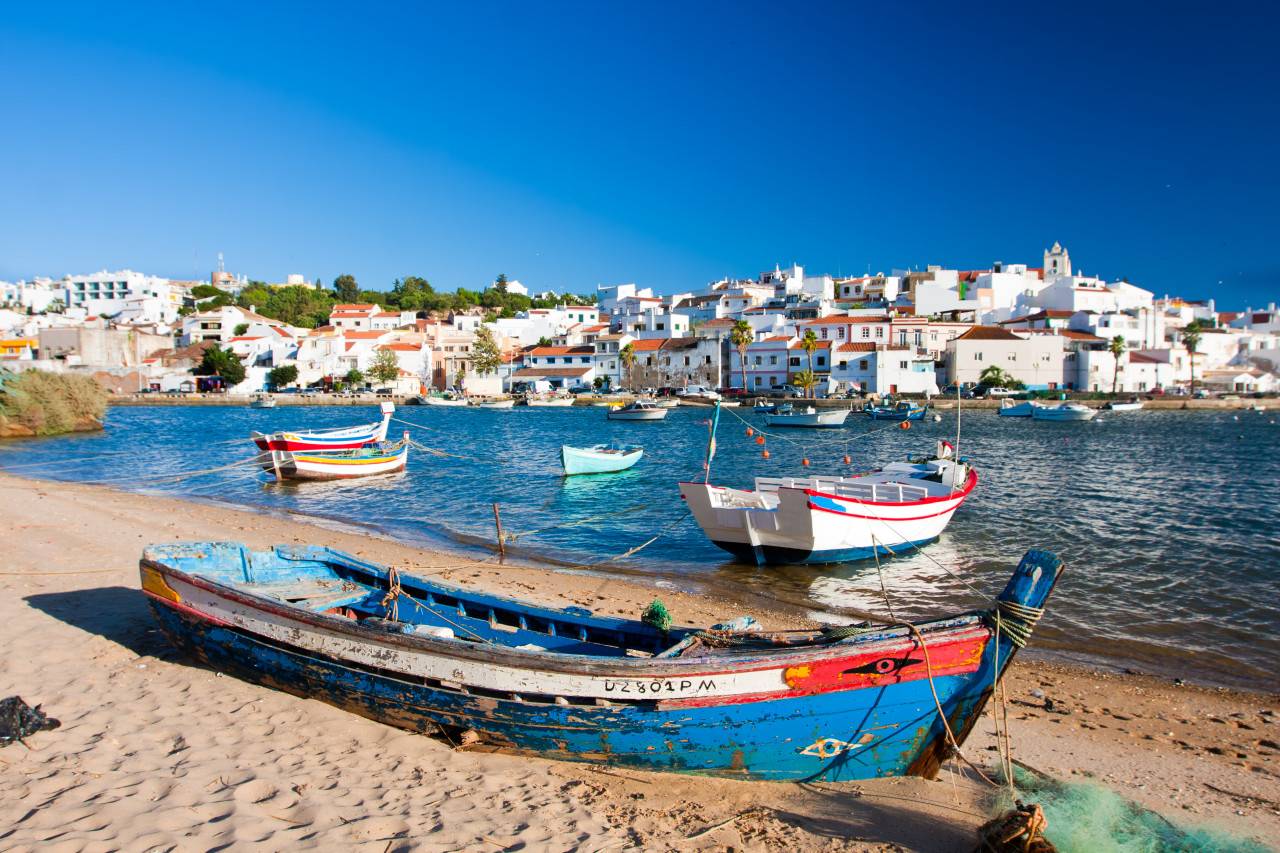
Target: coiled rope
1016 620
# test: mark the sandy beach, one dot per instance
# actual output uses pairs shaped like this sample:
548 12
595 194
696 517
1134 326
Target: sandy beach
155 753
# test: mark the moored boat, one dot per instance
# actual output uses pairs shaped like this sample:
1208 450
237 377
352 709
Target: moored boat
856 702
343 438
441 400
494 404
762 408
828 519
809 417
1064 412
336 464
903 410
1011 409
549 401
600 459
640 410
263 401
1131 405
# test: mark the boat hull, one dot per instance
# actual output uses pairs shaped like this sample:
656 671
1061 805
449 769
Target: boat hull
896 415
640 415
808 526
857 709
301 466
584 460
1123 407
440 401
347 438
1058 413
1018 410
818 420
555 403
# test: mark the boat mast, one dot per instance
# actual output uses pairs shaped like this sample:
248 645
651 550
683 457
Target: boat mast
956 467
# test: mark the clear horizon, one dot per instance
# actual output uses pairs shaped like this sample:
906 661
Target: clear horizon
573 146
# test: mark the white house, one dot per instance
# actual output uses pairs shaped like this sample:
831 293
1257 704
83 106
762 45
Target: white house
888 370
109 293
1035 360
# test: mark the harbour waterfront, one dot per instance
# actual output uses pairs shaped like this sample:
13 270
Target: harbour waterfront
1164 518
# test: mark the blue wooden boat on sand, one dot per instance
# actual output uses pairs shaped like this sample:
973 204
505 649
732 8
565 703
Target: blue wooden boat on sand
854 702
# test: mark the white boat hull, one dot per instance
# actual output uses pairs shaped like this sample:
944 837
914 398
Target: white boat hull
440 401
808 525
820 418
1124 407
1065 412
497 404
286 465
555 402
1017 410
638 415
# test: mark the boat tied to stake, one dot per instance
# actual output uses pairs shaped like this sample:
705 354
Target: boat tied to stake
600 459
849 702
343 438
829 519
336 464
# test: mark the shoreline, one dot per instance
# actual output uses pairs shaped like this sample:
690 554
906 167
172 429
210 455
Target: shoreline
128 768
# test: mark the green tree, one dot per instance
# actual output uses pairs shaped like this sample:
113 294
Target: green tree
385 366
1117 347
222 362
285 374
346 288
544 341
354 377
411 293
628 359
56 306
1191 340
742 336
805 380
240 329
484 354
500 283
809 343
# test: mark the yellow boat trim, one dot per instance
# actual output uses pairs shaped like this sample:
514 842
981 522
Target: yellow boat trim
154 583
326 461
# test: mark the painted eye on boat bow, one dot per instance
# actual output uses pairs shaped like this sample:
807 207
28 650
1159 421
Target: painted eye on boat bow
884 666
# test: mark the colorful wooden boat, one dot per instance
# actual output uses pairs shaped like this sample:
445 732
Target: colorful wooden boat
834 519
903 410
344 438
600 459
336 464
852 703
640 410
809 417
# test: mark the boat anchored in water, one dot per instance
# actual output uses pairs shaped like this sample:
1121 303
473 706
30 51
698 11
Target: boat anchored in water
1064 412
903 410
600 459
336 464
549 401
640 410
1131 405
854 702
809 417
830 519
263 401
445 399
344 438
1010 409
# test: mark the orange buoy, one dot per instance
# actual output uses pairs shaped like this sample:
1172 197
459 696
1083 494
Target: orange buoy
847 459
759 439
750 432
764 453
905 425
804 462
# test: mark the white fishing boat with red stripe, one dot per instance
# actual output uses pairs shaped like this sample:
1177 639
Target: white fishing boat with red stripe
344 438
825 519
336 464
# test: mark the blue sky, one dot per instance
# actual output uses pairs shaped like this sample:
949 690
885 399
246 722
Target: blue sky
570 145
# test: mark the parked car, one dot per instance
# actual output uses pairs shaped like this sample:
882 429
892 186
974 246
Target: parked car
698 391
383 392
965 393
1000 392
787 390
732 393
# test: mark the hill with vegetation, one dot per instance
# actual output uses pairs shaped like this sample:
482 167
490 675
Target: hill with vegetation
309 307
39 403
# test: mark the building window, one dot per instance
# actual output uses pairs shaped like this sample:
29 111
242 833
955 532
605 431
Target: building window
862 364
758 359
757 380
824 333
795 361
977 356
773 360
840 333
879 331
902 365
866 332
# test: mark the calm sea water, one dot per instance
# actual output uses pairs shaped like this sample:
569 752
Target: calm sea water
1168 521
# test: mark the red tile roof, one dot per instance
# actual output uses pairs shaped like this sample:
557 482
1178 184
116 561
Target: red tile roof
988 333
402 347
578 350
830 319
821 344
1139 358
354 306
1072 334
646 345
857 346
535 372
363 336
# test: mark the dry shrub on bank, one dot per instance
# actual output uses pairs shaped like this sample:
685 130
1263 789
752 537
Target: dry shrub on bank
51 403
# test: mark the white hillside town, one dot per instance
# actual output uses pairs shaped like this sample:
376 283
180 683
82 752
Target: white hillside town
909 332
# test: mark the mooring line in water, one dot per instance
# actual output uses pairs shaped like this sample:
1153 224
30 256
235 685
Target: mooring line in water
825 445
512 537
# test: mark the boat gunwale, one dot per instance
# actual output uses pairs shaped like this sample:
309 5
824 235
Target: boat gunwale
956 627
970 483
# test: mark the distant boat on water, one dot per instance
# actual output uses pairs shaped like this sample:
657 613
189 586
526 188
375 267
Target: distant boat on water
1064 412
809 417
1010 409
903 410
859 701
640 410
342 438
1132 405
494 404
441 400
549 401
600 459
263 401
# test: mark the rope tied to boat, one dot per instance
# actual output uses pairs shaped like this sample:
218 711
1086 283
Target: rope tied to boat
1016 620
391 601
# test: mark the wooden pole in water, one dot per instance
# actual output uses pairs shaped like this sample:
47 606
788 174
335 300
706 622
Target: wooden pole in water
497 522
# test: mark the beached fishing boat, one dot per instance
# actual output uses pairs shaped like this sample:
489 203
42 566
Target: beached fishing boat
1064 412
549 401
854 702
344 438
830 519
1011 409
263 401
441 400
640 410
600 459
903 410
336 464
809 417
1131 405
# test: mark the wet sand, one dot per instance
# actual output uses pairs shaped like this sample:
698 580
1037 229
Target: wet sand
157 753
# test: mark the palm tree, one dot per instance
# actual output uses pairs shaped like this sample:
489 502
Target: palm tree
628 359
742 336
805 380
809 343
1191 340
1117 349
